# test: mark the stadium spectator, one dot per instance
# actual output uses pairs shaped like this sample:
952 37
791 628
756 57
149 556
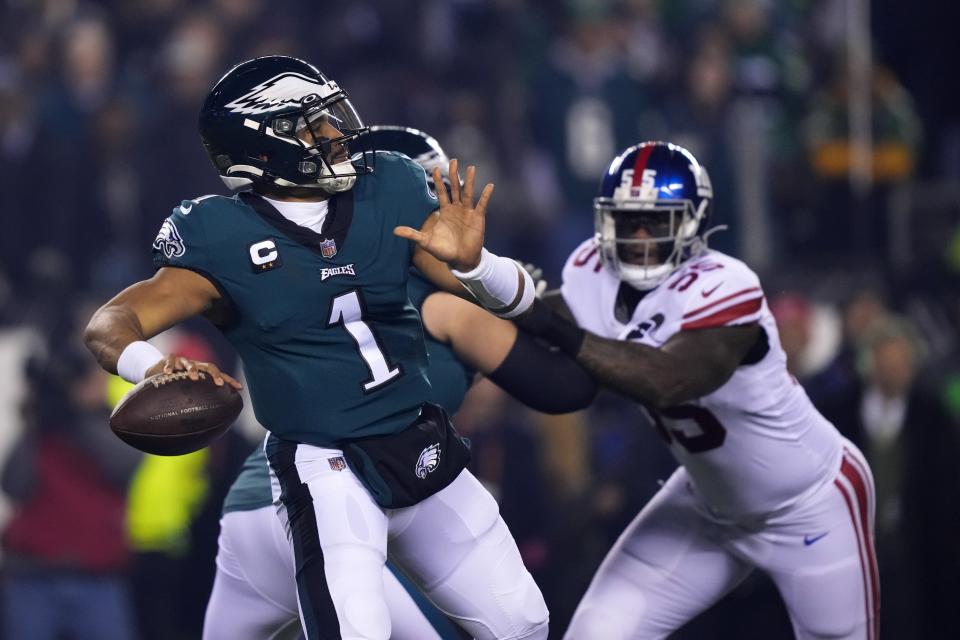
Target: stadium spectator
831 151
584 106
65 548
902 426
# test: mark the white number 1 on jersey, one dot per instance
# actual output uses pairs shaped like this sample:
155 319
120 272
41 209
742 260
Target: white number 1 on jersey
346 309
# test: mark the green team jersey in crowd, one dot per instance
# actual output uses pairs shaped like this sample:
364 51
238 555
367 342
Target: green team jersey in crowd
449 380
331 346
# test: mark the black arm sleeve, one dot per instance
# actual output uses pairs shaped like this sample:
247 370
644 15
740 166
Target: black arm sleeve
554 299
547 321
544 379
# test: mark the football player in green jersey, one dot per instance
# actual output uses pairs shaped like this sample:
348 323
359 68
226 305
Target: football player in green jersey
305 273
254 594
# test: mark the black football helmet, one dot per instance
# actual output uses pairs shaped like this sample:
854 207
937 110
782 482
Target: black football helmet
279 121
413 143
652 212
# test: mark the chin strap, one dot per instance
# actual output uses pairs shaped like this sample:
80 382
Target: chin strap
335 183
700 243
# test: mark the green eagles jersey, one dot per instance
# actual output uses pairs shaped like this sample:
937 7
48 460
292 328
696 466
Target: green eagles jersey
449 379
251 490
331 347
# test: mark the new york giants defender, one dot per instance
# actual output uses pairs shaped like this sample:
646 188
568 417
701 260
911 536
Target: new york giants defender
765 481
254 592
305 272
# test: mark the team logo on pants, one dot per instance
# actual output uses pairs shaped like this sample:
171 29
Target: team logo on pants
428 461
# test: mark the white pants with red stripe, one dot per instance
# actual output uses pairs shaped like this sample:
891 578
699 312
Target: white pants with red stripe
674 561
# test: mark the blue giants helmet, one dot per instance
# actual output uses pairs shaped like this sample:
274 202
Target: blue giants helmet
651 212
278 121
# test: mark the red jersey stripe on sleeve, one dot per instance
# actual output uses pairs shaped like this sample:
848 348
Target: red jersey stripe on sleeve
720 301
725 316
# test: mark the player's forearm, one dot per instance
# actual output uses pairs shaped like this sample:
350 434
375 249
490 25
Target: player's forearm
109 332
439 274
501 285
553 300
544 379
663 377
140 312
651 376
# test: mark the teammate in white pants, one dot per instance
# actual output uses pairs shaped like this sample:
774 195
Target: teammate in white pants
254 598
765 481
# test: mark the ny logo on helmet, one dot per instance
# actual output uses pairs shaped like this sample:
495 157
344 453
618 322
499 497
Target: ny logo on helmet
280 91
704 187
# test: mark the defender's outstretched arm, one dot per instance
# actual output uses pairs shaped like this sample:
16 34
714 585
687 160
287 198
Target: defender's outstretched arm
689 365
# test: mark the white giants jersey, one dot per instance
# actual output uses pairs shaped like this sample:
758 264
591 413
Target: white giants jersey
755 445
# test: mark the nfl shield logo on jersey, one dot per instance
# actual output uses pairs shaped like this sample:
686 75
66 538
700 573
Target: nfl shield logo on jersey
328 248
428 461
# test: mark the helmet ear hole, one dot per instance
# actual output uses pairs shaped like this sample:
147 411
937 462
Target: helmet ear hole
223 162
283 125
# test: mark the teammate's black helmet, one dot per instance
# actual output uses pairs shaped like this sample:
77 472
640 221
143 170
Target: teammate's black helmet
279 121
413 143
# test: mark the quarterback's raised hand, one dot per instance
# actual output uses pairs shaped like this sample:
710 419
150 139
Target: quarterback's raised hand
454 234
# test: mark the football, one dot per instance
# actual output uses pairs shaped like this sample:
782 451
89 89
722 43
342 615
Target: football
169 414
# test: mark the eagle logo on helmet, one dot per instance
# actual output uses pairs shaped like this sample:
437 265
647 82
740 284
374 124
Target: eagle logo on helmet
428 461
280 91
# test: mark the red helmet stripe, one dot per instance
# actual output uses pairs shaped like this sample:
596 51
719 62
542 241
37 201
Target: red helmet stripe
641 163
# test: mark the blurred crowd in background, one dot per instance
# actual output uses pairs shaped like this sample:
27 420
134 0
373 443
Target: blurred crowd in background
860 257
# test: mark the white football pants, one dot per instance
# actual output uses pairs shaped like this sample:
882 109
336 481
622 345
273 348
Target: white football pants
254 593
454 545
674 561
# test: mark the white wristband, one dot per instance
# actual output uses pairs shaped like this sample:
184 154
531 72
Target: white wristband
135 359
499 284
